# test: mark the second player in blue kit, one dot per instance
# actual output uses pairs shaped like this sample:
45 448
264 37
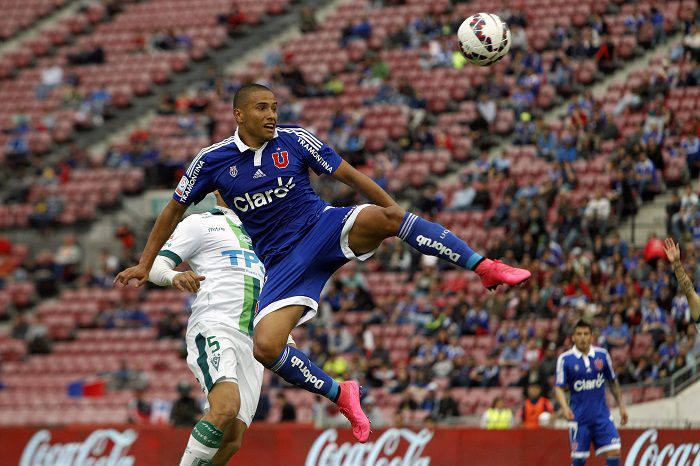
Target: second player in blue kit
262 174
583 371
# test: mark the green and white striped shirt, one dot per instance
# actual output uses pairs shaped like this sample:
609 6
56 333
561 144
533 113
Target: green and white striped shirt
216 245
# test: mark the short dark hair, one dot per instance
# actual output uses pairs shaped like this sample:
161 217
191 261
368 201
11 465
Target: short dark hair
583 324
241 96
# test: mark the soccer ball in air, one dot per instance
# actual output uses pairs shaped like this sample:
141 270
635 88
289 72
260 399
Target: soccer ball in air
483 39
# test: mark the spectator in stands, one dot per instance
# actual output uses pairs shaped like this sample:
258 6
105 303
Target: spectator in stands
51 77
234 19
170 326
336 365
497 416
535 404
446 406
486 375
126 378
606 55
185 410
139 408
307 20
668 350
85 56
46 209
67 258
126 237
597 214
617 334
362 29
288 412
37 337
264 405
513 354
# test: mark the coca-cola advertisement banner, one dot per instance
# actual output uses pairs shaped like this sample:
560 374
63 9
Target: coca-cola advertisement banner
294 445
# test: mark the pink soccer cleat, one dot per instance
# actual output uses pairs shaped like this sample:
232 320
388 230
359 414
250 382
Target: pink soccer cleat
494 273
349 405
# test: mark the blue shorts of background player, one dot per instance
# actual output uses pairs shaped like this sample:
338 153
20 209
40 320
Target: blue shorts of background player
602 433
299 277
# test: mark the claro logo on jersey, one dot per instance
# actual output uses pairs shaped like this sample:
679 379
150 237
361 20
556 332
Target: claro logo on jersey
382 452
652 454
584 385
441 248
184 187
296 362
326 166
253 201
106 447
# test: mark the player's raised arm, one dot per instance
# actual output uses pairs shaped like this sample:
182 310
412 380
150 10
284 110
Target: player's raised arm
673 252
165 225
363 184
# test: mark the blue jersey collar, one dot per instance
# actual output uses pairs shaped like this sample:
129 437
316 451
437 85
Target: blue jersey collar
578 354
242 146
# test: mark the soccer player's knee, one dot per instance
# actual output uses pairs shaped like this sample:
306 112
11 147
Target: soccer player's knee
393 217
266 350
226 411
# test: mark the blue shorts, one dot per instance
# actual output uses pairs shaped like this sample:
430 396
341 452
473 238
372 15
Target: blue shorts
602 433
299 278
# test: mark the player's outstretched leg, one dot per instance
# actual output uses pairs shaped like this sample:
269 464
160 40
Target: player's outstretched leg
374 224
271 349
208 433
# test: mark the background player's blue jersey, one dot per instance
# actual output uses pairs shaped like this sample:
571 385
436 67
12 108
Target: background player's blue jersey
585 376
269 188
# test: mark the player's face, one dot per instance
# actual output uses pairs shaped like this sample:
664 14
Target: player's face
258 117
582 339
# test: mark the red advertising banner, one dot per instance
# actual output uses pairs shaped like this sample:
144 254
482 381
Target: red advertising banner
294 445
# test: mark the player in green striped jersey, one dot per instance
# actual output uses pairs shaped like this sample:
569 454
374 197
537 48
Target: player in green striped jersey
227 277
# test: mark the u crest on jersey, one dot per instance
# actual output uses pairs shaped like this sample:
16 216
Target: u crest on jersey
233 170
281 159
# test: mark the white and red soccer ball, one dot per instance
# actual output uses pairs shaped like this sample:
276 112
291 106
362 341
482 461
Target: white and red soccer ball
483 39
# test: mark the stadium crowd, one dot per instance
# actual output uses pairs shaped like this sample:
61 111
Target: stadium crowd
581 267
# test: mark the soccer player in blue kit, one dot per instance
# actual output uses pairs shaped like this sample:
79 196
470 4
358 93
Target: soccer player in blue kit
583 370
262 173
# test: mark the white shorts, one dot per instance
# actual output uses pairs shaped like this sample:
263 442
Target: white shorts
219 354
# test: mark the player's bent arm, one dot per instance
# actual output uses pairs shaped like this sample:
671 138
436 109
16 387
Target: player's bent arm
363 184
688 289
162 272
165 225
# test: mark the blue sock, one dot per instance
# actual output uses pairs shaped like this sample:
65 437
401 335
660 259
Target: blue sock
294 367
433 239
612 461
579 462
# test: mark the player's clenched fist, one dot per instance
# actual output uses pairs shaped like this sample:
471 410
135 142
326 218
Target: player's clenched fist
138 272
187 281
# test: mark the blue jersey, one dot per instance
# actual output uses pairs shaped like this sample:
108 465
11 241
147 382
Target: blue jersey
585 376
269 188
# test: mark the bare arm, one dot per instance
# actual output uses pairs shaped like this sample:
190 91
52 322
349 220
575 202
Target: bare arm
165 225
560 395
673 252
617 394
363 184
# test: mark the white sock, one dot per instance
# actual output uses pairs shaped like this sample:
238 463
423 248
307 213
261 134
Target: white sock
203 444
